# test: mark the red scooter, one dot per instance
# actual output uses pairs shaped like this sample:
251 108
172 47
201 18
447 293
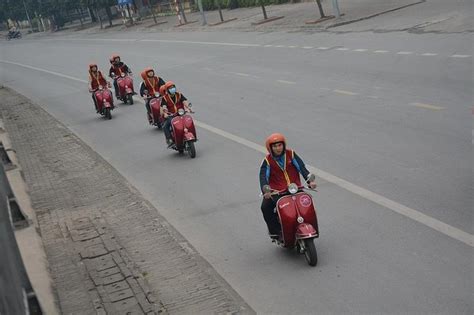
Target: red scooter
125 87
183 133
299 222
156 119
104 100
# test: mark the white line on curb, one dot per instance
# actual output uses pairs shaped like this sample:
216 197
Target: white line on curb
413 214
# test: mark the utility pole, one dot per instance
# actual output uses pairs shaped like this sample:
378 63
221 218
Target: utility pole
28 16
335 7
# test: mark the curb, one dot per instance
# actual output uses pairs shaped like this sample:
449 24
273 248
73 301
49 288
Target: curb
373 15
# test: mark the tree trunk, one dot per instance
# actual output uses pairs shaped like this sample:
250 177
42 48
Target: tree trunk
109 14
320 7
92 14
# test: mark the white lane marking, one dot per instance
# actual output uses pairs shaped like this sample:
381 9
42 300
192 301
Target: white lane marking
427 106
44 70
360 50
404 53
267 45
322 48
460 56
413 214
279 46
429 54
286 82
381 51
292 46
308 47
345 92
197 42
342 48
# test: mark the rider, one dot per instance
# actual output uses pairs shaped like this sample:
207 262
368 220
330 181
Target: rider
95 80
149 87
116 69
171 102
280 168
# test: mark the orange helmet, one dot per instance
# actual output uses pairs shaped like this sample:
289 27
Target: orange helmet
162 90
91 65
112 58
274 138
169 84
145 71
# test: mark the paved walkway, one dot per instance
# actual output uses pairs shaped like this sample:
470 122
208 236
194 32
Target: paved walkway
108 249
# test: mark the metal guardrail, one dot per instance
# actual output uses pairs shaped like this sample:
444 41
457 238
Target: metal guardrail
16 293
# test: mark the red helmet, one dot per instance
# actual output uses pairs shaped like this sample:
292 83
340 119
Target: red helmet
162 90
274 138
112 58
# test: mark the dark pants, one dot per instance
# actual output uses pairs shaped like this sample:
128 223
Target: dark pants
116 89
147 105
269 215
167 127
95 101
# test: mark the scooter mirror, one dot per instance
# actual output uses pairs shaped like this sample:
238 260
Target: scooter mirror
311 178
190 105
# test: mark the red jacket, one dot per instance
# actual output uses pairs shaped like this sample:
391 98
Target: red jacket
97 79
280 177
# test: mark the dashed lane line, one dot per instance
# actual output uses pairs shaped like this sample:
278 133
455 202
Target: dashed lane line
342 48
380 51
308 47
460 56
429 54
286 82
360 50
413 214
344 92
404 53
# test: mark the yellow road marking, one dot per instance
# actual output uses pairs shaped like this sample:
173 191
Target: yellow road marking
427 106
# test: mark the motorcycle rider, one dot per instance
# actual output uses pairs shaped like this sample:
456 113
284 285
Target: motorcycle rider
116 69
280 168
150 87
172 101
95 80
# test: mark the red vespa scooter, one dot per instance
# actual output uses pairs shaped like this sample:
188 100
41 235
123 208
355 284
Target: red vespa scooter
104 101
183 133
156 118
299 223
125 87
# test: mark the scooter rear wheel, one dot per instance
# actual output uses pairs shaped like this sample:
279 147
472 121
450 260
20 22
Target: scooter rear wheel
310 252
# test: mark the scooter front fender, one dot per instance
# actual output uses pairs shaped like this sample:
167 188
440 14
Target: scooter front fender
305 230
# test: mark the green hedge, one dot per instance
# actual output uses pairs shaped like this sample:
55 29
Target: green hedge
233 4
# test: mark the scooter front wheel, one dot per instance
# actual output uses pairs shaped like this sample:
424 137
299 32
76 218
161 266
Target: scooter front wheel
130 98
108 114
191 149
310 252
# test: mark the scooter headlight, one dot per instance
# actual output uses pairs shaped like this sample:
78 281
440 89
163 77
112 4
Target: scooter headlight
181 112
293 188
157 94
122 75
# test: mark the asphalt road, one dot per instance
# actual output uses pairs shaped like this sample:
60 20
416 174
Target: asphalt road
389 113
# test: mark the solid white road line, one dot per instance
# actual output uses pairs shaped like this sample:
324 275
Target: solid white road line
413 214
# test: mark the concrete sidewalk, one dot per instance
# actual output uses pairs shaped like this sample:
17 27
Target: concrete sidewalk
415 16
109 250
